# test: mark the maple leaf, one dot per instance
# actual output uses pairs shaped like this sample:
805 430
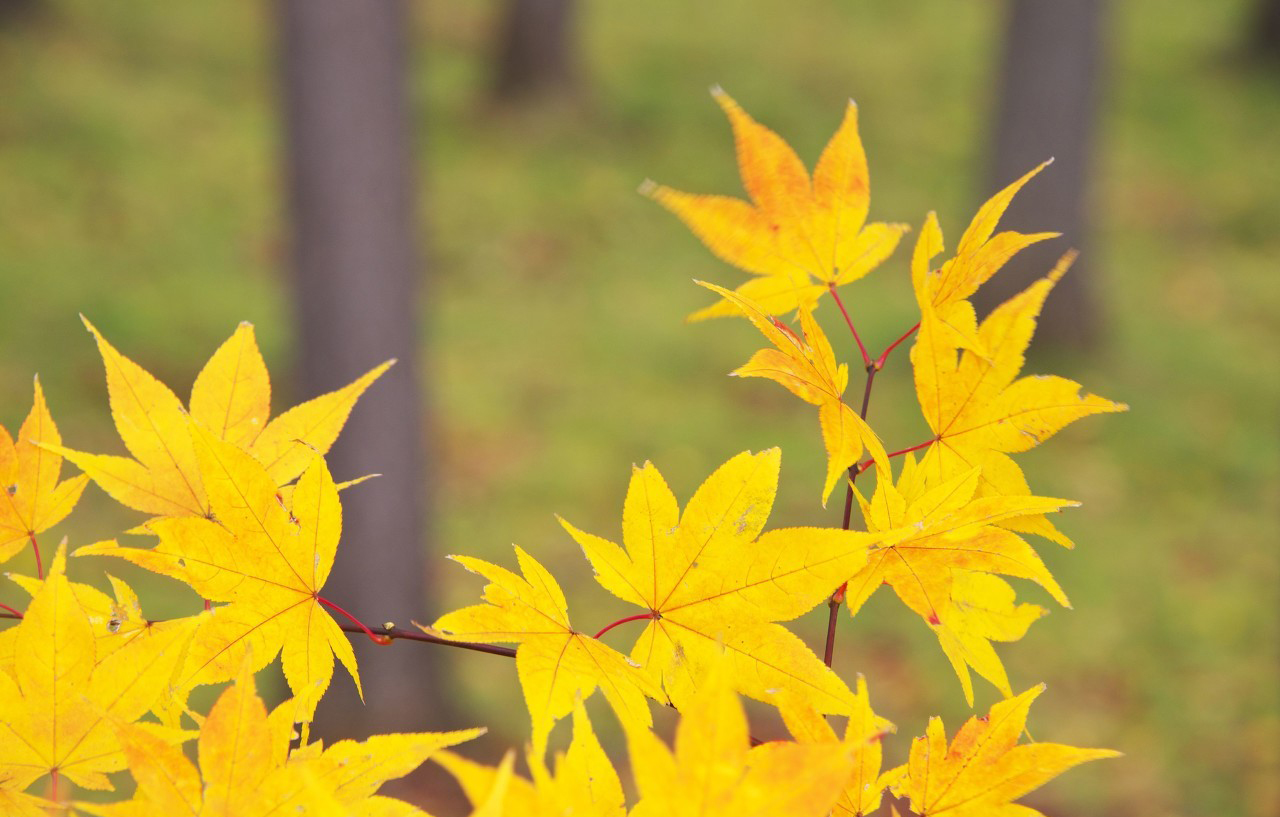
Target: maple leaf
983 770
354 770
231 397
246 771
864 787
266 562
56 703
942 293
953 532
556 664
981 411
33 498
806 366
801 236
115 622
982 608
711 582
17 804
584 782
714 772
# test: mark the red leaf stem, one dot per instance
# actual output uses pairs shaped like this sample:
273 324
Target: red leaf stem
866 358
879 364
636 617
377 639
868 463
35 546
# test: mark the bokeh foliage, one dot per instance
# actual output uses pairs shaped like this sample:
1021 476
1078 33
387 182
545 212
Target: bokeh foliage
139 156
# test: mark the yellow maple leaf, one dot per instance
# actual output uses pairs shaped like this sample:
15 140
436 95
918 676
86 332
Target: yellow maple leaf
942 293
246 770
710 582
982 608
56 704
806 366
984 770
556 664
231 397
864 787
714 771
981 411
32 500
17 804
583 783
115 622
264 561
952 531
801 236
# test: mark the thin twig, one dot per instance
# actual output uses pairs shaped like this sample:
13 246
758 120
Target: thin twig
885 354
866 359
401 634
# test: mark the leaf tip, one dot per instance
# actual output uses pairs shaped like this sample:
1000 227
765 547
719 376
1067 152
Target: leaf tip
648 188
93 330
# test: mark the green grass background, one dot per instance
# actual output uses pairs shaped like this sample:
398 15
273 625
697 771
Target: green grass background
139 184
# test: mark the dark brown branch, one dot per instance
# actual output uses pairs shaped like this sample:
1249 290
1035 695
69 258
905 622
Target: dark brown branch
394 634
401 634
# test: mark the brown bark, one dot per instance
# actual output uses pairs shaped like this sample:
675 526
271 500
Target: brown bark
1264 31
356 271
17 10
535 54
1048 107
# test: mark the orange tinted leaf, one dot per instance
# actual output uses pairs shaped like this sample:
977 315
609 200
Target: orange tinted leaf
32 499
984 770
800 234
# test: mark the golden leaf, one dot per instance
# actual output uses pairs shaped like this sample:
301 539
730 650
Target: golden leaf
801 236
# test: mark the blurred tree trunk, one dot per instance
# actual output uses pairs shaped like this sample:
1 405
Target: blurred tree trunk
535 51
1048 107
17 9
1264 30
356 266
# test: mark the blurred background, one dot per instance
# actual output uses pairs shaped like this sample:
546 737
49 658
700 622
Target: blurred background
453 184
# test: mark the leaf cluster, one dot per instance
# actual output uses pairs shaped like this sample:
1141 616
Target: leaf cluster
242 508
